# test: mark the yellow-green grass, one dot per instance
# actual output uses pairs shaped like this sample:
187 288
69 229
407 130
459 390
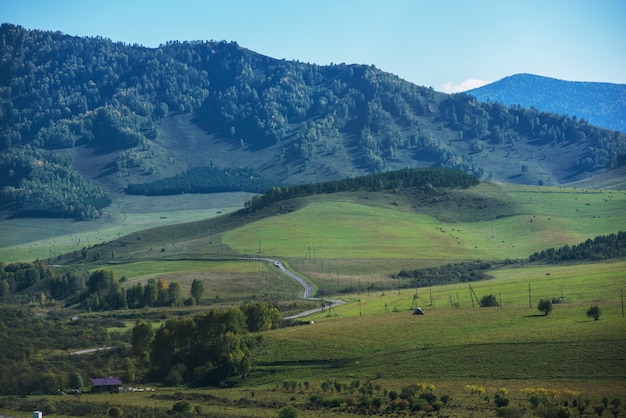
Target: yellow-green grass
238 279
363 339
142 269
337 229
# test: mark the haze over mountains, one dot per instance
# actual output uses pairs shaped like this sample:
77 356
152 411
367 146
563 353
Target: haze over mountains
601 104
83 120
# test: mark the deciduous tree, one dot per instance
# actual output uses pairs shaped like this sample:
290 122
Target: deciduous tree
197 290
545 306
141 337
594 312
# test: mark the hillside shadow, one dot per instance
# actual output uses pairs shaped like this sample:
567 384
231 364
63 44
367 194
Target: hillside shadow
535 316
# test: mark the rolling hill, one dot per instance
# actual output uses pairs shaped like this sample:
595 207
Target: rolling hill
118 116
601 104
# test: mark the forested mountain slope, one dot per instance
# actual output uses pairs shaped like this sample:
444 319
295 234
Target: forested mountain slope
125 115
601 104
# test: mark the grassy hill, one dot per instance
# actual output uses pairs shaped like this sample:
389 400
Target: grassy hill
351 243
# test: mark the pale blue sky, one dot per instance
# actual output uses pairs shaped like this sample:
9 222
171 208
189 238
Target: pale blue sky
438 43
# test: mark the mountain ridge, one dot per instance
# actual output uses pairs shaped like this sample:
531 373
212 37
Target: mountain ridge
121 115
600 103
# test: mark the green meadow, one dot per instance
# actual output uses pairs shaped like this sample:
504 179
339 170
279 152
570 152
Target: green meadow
377 335
355 241
224 281
40 238
340 229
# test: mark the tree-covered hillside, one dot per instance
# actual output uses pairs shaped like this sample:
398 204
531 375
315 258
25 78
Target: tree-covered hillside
601 104
124 114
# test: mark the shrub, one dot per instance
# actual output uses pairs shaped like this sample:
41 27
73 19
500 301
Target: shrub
288 412
510 412
419 405
437 405
488 301
428 397
408 393
501 401
182 407
115 412
399 404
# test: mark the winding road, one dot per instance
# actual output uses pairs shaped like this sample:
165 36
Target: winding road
306 293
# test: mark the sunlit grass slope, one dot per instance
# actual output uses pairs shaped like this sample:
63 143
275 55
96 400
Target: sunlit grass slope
234 279
338 228
376 334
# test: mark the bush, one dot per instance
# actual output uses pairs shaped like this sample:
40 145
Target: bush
501 401
488 301
437 405
536 400
182 407
115 412
288 412
428 397
510 412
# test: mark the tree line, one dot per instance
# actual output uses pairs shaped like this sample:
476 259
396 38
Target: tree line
96 291
450 273
423 180
204 349
602 247
204 180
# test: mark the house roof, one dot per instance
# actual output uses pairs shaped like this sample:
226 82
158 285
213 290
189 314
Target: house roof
106 381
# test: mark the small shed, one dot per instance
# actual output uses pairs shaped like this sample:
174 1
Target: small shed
418 311
106 384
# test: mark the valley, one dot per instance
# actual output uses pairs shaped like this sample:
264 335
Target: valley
503 224
351 246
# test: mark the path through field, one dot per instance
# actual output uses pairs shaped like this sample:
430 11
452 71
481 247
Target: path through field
306 293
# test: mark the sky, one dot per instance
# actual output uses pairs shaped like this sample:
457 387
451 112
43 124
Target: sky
450 45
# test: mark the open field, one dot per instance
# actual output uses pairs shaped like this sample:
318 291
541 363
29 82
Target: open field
338 228
34 238
357 239
512 347
232 280
361 338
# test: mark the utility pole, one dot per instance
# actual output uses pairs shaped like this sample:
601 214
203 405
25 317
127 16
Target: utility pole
530 300
430 288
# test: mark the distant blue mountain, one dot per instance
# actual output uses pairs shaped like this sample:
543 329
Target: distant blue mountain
601 104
